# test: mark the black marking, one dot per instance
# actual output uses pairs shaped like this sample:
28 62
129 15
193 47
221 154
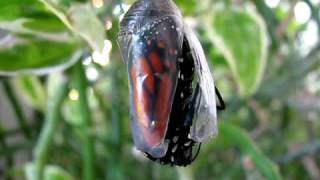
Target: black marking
222 105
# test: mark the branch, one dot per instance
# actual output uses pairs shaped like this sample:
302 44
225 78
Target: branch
42 148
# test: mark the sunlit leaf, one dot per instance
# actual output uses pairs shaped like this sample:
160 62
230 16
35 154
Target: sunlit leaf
241 37
87 25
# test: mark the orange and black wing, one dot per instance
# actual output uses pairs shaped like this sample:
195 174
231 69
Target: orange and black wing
151 56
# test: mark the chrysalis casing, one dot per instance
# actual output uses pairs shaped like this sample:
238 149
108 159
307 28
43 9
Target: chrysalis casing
172 93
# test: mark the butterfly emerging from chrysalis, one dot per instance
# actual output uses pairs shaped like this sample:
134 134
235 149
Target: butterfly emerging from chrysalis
173 98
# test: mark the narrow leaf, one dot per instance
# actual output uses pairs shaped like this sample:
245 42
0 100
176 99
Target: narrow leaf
238 137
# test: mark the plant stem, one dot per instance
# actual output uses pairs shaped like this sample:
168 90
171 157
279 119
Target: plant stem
16 108
46 135
185 173
81 84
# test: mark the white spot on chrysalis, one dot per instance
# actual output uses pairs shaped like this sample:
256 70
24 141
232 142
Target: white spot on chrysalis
172 159
175 139
174 148
187 143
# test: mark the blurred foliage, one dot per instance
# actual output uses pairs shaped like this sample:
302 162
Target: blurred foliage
59 60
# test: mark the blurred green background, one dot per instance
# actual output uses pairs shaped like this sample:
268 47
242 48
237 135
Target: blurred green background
64 110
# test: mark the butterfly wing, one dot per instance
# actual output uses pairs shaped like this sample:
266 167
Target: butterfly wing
151 56
204 123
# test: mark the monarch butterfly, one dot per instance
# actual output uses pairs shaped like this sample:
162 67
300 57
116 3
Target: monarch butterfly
172 92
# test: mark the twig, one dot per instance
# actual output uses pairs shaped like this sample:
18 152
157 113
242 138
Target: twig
81 84
286 22
16 108
52 120
304 150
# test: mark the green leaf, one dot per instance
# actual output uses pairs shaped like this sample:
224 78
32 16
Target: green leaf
241 37
46 24
36 42
238 137
56 173
13 9
51 172
80 19
30 17
39 44
48 29
42 19
37 56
